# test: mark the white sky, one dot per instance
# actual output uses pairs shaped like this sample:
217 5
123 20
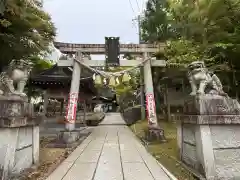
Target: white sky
89 21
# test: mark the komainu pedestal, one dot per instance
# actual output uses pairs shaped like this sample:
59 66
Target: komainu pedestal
19 136
209 136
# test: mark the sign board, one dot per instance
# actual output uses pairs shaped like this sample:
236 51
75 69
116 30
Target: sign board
151 109
72 107
112 51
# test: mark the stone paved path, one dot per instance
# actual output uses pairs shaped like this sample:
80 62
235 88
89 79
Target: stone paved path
111 152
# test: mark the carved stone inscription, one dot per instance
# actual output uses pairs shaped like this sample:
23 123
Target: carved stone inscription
212 105
11 109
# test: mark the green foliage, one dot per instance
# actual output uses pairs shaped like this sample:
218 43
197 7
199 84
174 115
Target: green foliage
155 26
185 50
125 91
122 88
204 30
25 30
40 64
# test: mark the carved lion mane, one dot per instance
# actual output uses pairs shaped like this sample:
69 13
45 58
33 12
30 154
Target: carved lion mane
200 78
16 73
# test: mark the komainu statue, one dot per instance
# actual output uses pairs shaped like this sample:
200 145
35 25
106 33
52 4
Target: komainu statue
201 78
17 75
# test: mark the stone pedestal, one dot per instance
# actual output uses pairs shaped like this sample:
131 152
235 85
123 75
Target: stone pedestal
19 136
69 137
155 134
209 136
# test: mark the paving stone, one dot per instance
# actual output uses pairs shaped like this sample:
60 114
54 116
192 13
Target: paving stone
60 172
81 171
89 156
109 170
136 171
111 152
130 156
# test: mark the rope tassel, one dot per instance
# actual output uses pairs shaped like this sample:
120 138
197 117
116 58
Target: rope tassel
126 77
98 80
112 81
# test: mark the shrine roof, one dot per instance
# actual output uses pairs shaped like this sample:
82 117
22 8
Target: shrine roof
58 74
60 78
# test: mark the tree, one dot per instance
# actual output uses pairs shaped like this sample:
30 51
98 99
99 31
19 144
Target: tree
210 25
155 23
199 30
40 64
204 30
25 30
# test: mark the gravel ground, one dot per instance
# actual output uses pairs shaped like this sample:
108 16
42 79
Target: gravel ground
49 159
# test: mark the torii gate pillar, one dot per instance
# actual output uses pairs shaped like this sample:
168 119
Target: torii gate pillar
154 130
73 95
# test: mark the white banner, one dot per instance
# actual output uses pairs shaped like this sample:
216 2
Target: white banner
151 109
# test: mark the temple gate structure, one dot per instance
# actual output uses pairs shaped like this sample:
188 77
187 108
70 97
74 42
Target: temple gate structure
77 51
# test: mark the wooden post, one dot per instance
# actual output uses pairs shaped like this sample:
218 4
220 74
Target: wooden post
143 110
167 103
84 112
62 105
45 103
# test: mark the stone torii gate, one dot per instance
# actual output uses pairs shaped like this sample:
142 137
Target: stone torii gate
144 50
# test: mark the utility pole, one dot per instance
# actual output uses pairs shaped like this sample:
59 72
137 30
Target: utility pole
143 110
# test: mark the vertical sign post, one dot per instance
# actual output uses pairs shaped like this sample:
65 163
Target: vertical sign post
112 51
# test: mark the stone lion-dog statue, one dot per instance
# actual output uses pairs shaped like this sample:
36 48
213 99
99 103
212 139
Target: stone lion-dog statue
17 74
200 78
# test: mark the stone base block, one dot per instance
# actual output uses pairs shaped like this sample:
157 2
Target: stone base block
67 139
95 119
69 136
155 133
19 135
210 104
212 150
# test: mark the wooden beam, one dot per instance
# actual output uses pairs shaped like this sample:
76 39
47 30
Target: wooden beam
99 63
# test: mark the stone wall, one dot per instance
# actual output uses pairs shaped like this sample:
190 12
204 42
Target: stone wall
188 148
19 148
226 150
225 141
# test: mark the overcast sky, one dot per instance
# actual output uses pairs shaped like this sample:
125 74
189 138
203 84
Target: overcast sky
89 21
